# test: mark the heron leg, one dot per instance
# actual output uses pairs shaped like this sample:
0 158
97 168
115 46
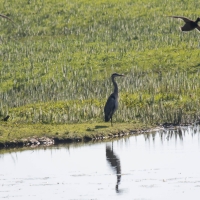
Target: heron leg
111 121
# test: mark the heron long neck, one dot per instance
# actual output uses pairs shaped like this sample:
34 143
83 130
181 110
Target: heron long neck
115 86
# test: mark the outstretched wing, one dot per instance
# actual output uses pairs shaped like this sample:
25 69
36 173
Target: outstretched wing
185 19
109 108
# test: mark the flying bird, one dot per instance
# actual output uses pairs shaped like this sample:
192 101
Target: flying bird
189 24
112 102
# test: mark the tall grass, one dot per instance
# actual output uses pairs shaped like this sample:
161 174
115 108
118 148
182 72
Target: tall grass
57 59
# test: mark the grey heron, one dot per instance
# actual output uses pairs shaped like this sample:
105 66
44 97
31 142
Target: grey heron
112 102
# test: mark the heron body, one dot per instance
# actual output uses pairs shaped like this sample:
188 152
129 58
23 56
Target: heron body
110 107
189 24
112 102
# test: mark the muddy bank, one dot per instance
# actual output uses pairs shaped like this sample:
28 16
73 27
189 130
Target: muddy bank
47 141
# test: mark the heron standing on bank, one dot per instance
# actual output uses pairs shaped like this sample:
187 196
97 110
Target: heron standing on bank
112 102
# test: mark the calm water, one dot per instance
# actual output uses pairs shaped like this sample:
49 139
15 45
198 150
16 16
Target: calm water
161 165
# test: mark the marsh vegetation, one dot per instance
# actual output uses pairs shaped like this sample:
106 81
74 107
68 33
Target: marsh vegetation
57 58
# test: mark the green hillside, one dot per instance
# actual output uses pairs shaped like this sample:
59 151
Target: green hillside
57 58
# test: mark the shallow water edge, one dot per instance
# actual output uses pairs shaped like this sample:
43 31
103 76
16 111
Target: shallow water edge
156 165
48 141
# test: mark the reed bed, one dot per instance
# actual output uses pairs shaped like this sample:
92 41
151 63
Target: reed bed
57 59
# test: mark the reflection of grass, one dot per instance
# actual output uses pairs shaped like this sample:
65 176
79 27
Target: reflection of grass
56 67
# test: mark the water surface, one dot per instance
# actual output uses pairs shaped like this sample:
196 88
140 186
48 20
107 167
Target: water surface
160 165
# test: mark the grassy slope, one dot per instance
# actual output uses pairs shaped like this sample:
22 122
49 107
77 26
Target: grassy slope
57 58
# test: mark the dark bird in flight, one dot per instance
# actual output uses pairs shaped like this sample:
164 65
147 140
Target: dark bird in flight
4 16
189 24
112 102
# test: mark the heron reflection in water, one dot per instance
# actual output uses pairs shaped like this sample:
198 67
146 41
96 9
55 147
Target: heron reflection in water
115 164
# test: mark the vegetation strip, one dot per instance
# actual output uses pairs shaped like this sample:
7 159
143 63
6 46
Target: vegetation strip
57 59
39 134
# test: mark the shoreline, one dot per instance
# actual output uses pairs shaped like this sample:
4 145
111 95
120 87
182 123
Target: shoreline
34 135
49 141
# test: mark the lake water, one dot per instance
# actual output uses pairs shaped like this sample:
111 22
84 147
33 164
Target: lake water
159 165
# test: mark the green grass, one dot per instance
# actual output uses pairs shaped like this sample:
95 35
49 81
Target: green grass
57 58
10 132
